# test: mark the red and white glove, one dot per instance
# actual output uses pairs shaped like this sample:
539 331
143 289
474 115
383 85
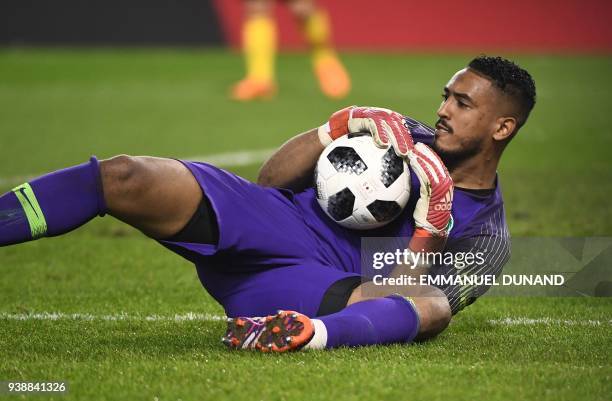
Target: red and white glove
432 214
386 126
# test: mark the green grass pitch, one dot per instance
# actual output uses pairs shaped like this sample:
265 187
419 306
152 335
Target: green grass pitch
57 107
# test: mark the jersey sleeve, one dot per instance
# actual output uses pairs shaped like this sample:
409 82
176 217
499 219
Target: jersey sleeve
420 132
491 252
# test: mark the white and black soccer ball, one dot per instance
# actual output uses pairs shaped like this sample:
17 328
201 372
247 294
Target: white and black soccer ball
359 185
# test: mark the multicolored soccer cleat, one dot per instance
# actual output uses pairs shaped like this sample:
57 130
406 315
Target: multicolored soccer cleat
285 331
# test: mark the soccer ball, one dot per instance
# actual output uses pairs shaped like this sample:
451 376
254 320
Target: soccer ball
359 185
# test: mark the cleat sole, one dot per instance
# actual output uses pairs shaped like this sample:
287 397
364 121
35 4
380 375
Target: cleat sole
284 331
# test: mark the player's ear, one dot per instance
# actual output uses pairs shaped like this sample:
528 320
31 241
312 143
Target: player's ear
506 127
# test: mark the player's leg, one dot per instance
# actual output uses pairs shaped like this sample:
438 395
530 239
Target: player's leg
392 319
313 299
309 289
157 196
259 46
329 70
366 321
381 320
385 320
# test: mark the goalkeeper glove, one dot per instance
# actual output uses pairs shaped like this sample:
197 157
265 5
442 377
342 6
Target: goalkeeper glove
386 126
432 214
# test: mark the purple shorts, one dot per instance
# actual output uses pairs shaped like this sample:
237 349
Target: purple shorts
267 257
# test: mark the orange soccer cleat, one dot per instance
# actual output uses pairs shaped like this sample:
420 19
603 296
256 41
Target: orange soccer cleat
250 89
285 331
334 80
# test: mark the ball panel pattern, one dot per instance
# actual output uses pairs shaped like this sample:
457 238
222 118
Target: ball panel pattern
384 210
340 205
346 160
392 166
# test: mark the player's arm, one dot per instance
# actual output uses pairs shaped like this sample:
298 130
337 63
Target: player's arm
293 164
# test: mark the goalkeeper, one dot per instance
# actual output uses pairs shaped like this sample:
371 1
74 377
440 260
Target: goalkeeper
258 249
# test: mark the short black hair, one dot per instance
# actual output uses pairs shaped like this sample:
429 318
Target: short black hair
511 79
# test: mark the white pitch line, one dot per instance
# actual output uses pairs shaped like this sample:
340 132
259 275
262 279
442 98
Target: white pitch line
207 317
546 321
227 159
185 317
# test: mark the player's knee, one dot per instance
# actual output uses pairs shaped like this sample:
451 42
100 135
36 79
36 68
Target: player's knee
123 178
435 314
441 312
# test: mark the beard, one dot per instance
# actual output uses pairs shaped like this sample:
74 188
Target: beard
457 153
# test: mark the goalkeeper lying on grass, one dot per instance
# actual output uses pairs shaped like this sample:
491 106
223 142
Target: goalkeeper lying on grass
258 249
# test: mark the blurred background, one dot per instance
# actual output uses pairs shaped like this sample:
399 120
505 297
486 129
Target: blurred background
155 77
444 25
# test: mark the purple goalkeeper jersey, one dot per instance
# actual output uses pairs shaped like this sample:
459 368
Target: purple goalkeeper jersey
476 214
278 250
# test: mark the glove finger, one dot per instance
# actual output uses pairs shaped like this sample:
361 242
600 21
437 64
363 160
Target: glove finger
418 162
378 143
381 137
418 169
403 127
363 112
402 145
396 146
442 183
356 125
379 140
427 154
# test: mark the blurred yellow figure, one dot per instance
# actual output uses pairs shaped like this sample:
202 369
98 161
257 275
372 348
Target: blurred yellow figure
259 40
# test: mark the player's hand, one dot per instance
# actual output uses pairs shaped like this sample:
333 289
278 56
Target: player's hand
386 126
432 214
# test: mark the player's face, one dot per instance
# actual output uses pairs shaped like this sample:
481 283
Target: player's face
466 117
